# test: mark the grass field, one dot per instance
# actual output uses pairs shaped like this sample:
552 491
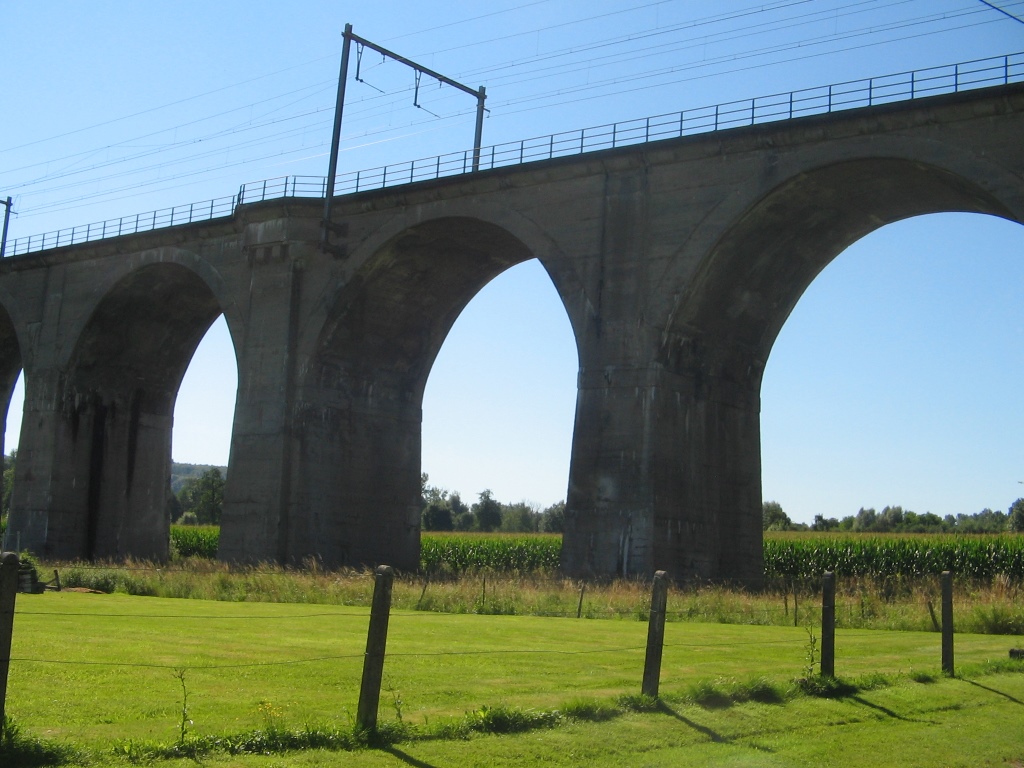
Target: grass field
100 670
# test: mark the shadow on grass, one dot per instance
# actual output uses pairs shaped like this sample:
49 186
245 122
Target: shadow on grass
993 690
716 737
407 758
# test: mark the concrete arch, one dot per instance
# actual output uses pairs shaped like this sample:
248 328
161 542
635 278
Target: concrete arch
533 237
360 399
713 353
120 270
114 417
757 271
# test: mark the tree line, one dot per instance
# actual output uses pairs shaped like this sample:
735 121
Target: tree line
444 510
897 520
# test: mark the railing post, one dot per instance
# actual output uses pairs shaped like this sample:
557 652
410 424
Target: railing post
647 130
376 641
716 117
8 592
828 625
521 148
830 98
956 78
551 146
437 170
655 636
412 170
357 180
583 133
681 113
871 90
912 84
790 105
947 622
384 176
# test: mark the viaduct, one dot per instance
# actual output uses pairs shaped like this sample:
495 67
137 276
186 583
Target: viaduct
677 261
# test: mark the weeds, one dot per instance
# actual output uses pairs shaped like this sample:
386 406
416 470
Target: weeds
18 749
811 655
861 602
185 722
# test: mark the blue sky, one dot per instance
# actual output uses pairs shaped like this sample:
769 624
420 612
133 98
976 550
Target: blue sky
895 381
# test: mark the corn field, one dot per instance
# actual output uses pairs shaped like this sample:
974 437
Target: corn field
977 558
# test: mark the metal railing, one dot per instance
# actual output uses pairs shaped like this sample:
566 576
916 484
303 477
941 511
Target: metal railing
852 94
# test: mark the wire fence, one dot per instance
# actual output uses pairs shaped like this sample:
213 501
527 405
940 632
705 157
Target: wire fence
471 649
789 105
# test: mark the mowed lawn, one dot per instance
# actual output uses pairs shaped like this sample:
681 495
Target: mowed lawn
96 669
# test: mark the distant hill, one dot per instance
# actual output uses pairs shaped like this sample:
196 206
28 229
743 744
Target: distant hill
182 472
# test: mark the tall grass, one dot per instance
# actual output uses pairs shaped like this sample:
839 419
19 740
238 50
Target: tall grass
861 602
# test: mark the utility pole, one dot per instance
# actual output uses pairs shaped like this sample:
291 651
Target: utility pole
480 94
7 218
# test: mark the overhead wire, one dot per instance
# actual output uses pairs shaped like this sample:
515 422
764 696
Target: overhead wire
519 78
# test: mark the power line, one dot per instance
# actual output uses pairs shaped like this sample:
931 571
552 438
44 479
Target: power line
997 8
556 97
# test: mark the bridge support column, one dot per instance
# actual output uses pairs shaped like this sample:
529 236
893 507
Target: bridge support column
92 472
665 475
357 501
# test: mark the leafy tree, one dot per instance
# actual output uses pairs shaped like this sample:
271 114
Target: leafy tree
437 516
204 496
458 506
822 523
552 519
519 518
865 519
773 518
465 521
487 512
1015 518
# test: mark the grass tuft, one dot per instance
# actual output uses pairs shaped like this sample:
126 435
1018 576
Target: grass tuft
17 749
589 710
637 702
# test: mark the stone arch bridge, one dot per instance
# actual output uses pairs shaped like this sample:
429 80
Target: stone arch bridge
677 261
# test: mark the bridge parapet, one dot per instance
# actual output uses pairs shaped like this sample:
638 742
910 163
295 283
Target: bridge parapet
789 105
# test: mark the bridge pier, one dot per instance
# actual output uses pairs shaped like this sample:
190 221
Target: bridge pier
665 474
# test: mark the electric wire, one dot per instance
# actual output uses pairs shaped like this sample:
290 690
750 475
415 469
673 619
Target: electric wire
555 94
503 65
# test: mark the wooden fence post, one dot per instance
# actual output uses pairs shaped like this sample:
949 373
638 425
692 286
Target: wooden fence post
655 635
8 591
947 622
828 625
376 641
